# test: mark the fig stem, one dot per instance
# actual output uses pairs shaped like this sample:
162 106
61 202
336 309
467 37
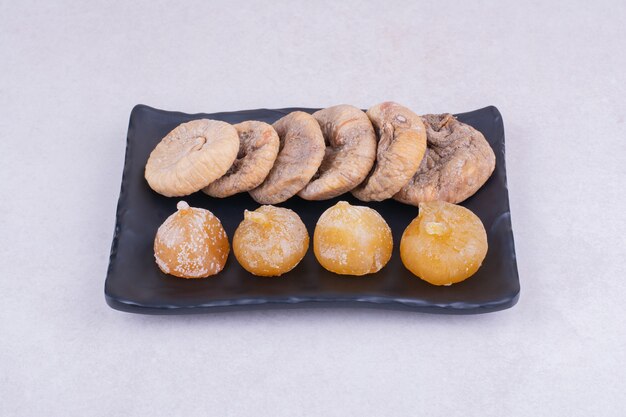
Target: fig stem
255 216
182 205
199 143
435 228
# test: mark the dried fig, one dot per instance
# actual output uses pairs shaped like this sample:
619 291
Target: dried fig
401 147
457 163
258 148
192 156
350 152
301 153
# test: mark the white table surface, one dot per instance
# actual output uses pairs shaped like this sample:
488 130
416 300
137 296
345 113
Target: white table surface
71 72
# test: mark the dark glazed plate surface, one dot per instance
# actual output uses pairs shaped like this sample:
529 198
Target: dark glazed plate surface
135 284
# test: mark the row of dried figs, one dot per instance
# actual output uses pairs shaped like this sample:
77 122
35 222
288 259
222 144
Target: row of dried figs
388 152
445 244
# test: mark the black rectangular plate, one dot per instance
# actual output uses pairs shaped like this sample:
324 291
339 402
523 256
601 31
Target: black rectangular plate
135 284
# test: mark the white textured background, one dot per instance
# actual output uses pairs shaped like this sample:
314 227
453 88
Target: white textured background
70 74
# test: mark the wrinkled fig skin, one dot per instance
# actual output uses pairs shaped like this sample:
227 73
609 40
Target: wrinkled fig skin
301 153
192 156
258 148
401 147
350 152
457 163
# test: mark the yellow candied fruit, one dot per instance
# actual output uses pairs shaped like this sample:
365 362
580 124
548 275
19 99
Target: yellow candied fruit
191 243
352 240
444 244
270 241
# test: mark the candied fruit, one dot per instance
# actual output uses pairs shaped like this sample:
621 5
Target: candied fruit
270 241
444 244
191 243
352 240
